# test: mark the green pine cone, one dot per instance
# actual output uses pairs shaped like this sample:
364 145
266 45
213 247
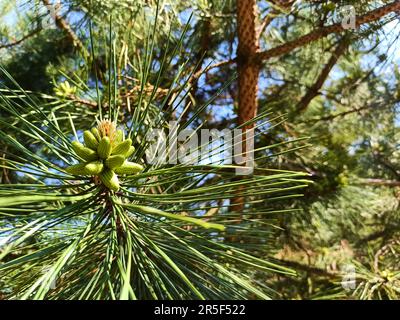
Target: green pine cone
90 140
129 168
96 133
130 152
84 152
94 167
104 148
115 161
77 169
123 147
120 136
109 179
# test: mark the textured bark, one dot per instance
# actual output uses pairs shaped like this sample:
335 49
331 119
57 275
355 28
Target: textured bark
314 90
248 68
248 72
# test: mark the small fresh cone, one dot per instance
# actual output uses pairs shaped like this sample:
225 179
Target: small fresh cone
84 152
119 136
104 148
109 179
129 168
115 161
96 134
90 140
123 147
94 167
130 152
77 169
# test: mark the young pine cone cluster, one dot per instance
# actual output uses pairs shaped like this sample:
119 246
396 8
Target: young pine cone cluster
105 155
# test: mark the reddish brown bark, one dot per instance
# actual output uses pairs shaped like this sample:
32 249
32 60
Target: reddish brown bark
248 68
248 72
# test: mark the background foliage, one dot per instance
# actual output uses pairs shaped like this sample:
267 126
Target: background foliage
152 60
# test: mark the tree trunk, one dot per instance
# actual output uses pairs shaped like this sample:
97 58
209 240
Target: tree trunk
248 72
248 68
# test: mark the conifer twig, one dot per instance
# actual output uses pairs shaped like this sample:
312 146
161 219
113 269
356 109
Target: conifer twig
17 42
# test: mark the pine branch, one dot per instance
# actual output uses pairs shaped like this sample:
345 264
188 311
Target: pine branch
380 182
199 56
325 31
266 22
64 25
373 236
387 164
311 37
212 66
309 269
17 42
384 250
85 102
281 5
314 89
340 114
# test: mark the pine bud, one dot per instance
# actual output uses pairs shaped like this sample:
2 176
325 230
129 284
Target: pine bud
130 152
84 152
94 167
96 133
77 169
90 140
109 179
129 168
119 136
104 148
115 161
123 147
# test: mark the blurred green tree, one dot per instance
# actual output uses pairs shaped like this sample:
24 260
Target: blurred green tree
323 99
